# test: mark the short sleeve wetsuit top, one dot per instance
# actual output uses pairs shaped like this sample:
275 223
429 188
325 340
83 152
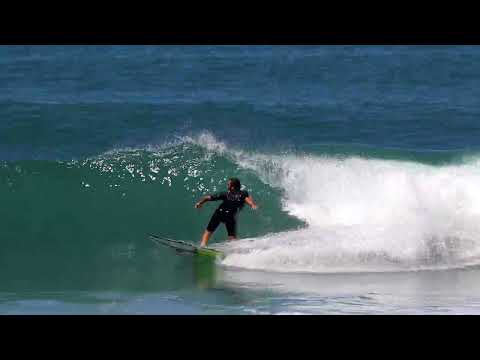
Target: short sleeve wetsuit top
233 202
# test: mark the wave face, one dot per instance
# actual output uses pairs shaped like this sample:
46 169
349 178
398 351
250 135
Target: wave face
86 217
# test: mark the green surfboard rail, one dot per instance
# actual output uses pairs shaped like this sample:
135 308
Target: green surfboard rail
184 246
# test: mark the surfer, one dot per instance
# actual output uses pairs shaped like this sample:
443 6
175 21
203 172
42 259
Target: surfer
233 201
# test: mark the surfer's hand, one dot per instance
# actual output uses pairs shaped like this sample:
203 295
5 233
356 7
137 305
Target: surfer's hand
254 207
198 205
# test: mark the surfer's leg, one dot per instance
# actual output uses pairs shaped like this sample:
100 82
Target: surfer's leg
205 238
231 226
211 227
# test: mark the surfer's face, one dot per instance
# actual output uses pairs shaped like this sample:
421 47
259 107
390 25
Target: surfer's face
230 186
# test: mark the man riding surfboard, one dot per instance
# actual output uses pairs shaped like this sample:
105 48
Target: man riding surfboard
233 201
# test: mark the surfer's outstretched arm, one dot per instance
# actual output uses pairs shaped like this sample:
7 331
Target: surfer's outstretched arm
202 201
249 201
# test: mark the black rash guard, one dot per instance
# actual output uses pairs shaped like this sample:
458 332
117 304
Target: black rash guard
233 202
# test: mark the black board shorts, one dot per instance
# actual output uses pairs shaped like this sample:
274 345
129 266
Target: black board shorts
227 218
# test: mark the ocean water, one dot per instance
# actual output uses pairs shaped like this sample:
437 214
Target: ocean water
364 160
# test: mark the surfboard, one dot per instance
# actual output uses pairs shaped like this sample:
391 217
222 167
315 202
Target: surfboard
184 247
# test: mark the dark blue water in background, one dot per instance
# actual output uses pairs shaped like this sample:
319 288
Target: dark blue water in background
75 101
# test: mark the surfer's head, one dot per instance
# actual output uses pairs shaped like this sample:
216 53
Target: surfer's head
233 184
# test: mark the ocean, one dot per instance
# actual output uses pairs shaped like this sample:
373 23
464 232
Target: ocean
364 161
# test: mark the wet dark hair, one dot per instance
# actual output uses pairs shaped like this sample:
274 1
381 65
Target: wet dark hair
236 183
